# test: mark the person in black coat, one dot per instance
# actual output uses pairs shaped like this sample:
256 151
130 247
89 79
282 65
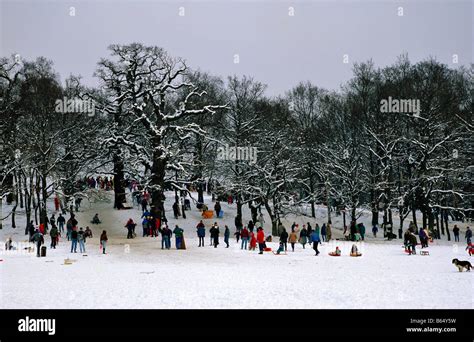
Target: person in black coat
284 238
215 235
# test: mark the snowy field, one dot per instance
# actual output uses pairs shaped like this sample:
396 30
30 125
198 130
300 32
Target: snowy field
138 274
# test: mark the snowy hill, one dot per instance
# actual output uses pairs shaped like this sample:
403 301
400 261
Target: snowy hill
137 273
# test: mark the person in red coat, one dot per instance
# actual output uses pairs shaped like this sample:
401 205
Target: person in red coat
253 241
260 240
56 203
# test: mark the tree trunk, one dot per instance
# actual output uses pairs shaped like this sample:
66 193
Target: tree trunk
119 182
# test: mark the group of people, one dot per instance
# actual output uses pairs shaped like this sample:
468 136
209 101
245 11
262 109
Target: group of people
77 236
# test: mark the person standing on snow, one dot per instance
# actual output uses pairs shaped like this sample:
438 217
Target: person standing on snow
201 233
38 240
468 235
217 208
362 231
303 236
178 233
260 240
323 232
226 236
103 241
74 241
61 220
456 233
165 237
253 242
245 238
215 234
284 238
81 239
375 229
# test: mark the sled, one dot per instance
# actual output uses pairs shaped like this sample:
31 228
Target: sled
356 255
424 253
208 214
267 249
334 254
282 253
68 261
221 214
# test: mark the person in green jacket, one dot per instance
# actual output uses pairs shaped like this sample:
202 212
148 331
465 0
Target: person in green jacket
54 233
178 234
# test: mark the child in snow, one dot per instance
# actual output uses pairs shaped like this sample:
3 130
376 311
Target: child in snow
337 252
354 251
470 248
253 241
281 248
95 219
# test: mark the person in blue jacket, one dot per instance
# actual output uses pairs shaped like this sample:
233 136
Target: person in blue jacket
201 233
315 239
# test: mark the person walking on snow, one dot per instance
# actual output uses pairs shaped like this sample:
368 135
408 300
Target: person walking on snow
226 236
293 238
81 239
130 225
201 233
315 239
303 236
53 233
103 241
260 240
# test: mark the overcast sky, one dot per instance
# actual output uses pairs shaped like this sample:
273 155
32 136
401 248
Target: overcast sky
274 47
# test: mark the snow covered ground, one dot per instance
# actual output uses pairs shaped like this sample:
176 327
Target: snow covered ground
138 274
